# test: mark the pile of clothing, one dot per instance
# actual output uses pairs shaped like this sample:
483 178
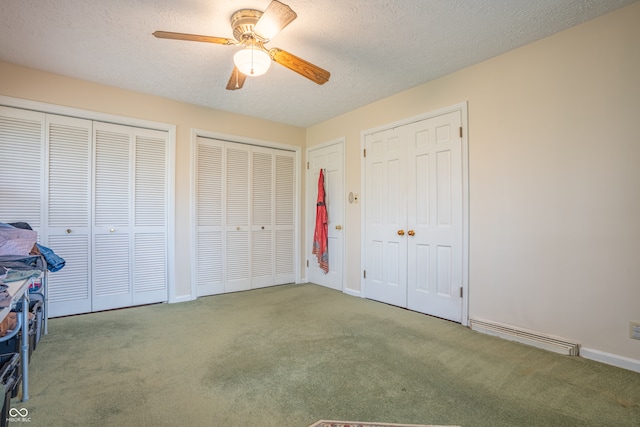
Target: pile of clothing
17 241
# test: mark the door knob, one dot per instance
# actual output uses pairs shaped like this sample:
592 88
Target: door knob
338 227
111 230
68 231
400 232
411 233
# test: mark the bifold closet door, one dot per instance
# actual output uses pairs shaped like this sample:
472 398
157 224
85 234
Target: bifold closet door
96 193
45 181
129 221
68 216
244 217
272 217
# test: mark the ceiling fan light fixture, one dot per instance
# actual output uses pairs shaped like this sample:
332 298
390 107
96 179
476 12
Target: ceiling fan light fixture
252 61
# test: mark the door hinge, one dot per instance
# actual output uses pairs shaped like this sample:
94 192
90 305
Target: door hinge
364 274
460 131
460 291
307 165
307 263
364 152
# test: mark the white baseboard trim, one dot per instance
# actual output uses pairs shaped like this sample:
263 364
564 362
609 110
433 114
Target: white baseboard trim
352 292
182 298
610 359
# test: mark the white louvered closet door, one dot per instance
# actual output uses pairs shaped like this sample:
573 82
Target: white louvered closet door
237 225
68 201
21 151
209 259
285 247
129 228
262 215
245 217
150 217
112 210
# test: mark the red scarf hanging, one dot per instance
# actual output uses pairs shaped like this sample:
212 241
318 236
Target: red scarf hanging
320 236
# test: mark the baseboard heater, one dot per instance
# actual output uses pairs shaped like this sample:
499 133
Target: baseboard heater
545 342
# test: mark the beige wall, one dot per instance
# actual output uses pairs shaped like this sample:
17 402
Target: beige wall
33 85
554 159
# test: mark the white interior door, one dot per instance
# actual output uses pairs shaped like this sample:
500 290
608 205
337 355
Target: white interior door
414 216
386 217
434 183
329 158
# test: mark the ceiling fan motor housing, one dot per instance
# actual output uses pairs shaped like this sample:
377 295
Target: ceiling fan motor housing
243 21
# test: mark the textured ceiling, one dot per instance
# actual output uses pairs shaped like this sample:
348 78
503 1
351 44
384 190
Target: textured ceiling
373 48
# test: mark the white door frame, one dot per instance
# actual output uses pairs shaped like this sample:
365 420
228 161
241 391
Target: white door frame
310 200
463 109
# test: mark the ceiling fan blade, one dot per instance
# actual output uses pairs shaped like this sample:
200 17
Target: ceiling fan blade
236 81
300 66
193 38
274 19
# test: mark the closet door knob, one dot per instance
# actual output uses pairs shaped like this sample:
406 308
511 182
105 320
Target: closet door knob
111 230
411 233
338 227
400 232
68 231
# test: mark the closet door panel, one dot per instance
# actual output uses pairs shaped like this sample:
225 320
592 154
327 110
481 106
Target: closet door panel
68 201
262 231
150 217
284 202
237 245
209 235
21 150
112 212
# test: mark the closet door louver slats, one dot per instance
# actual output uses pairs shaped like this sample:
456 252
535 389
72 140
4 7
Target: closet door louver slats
69 290
21 141
112 177
150 182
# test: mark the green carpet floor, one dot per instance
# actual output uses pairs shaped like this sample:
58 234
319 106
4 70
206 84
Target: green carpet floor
291 355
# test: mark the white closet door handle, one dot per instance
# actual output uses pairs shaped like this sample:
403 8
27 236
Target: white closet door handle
111 230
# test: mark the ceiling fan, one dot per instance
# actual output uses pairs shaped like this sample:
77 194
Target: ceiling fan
252 29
